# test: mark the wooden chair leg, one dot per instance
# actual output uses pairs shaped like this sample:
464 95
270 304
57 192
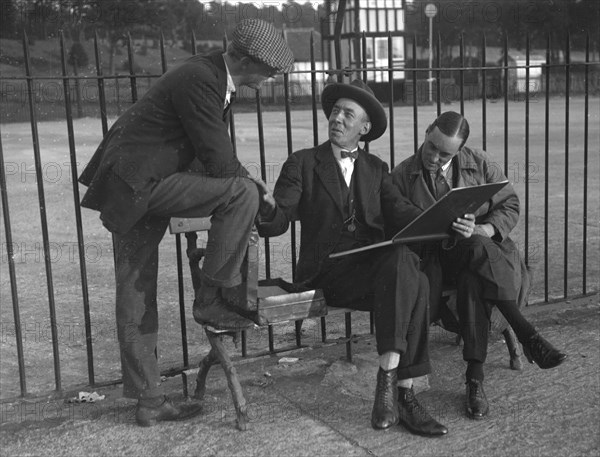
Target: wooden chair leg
239 402
513 349
205 364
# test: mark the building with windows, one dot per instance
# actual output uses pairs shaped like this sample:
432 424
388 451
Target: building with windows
364 40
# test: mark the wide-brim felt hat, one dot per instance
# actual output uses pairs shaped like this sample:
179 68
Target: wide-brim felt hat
362 94
264 43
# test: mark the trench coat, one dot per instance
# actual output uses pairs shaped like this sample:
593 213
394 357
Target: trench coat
502 211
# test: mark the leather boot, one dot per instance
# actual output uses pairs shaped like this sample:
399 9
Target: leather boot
210 308
385 408
477 404
540 351
414 417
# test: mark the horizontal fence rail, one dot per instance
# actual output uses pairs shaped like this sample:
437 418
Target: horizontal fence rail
538 120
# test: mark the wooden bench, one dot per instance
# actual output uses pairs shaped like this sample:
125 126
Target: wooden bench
277 302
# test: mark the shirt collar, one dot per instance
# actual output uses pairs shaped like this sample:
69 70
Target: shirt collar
337 152
446 166
230 84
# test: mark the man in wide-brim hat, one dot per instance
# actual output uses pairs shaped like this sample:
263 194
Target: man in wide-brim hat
344 199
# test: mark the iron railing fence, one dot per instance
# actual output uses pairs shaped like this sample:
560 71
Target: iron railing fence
56 262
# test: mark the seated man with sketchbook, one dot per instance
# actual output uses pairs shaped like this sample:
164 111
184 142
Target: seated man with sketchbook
481 259
344 198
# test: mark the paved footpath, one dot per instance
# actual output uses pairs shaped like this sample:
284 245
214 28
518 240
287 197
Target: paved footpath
320 405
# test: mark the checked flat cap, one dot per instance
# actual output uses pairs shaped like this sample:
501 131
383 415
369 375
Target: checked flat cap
264 43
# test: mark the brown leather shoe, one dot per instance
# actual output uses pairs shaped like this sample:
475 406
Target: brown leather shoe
416 418
385 407
210 308
147 416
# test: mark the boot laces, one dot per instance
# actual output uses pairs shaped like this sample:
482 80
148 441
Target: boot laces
414 407
540 347
385 390
475 388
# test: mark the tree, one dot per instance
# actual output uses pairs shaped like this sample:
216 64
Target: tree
8 19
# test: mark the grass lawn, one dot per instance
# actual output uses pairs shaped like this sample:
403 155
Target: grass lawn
67 288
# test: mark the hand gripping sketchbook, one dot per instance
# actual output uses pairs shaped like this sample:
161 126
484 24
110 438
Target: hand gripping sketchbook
435 223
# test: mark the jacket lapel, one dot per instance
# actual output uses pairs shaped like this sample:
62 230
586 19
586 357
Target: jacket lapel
216 58
327 171
365 182
420 193
466 170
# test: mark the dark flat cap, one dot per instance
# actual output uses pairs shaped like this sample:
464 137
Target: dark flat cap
264 43
362 94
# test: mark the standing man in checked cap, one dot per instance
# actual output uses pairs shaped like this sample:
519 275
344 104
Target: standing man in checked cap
139 177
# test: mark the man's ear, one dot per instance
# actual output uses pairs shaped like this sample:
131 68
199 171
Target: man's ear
245 62
366 128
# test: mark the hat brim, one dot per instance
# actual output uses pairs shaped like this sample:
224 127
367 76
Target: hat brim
333 92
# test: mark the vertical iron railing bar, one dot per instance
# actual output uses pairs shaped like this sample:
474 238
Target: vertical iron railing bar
546 167
364 65
101 93
363 42
288 128
567 105
78 221
585 160
263 167
391 99
313 104
438 74
42 207
461 74
194 49
364 78
483 94
315 143
261 151
132 75
12 275
339 21
415 111
526 165
118 96
505 90
163 57
184 347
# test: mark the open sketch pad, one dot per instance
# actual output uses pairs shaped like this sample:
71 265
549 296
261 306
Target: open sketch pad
435 223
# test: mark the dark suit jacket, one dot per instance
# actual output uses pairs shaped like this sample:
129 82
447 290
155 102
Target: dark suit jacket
180 118
308 190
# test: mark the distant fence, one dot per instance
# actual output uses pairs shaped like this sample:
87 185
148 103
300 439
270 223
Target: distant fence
565 266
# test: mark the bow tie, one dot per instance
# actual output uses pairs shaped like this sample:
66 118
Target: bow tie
351 154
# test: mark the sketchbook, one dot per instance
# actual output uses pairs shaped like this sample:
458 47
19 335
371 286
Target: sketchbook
435 223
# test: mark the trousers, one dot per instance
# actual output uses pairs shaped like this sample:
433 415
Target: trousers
389 283
232 204
486 272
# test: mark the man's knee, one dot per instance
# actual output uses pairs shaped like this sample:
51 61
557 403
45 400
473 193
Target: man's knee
402 255
480 248
245 194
